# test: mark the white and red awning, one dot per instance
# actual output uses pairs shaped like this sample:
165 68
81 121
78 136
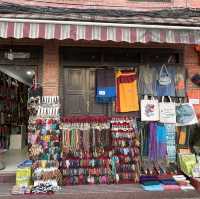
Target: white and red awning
131 33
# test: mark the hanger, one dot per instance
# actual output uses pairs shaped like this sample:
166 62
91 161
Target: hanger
170 59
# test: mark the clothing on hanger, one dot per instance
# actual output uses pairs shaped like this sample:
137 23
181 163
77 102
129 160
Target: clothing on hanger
105 85
127 95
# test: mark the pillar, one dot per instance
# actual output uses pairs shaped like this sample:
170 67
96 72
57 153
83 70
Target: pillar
51 68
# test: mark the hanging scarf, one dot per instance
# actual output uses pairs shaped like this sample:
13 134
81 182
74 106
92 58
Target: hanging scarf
144 139
72 139
105 86
171 142
183 137
161 135
127 96
152 142
86 140
146 82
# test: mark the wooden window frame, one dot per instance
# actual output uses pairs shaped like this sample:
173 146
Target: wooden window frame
145 55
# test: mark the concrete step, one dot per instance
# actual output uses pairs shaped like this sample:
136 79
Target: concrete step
7 177
101 192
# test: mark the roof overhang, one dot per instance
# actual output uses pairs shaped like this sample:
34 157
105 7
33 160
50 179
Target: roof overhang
83 30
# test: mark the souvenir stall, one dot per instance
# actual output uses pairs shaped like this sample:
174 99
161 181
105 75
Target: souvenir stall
99 150
13 96
13 114
142 146
190 162
86 145
166 120
44 141
163 128
125 149
146 139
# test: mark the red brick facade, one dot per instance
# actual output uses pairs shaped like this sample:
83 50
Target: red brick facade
51 68
51 65
191 61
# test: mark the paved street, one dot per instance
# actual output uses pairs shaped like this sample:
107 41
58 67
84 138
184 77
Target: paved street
102 192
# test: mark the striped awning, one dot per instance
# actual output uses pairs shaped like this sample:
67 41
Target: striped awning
98 31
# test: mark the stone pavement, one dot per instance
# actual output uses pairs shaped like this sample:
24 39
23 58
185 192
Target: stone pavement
121 191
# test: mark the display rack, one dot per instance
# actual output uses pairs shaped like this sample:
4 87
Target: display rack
125 150
44 142
85 158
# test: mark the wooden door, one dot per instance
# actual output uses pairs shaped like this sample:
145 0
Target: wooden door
93 108
79 92
74 91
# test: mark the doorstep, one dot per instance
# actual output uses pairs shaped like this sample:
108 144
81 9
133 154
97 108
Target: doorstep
7 177
120 191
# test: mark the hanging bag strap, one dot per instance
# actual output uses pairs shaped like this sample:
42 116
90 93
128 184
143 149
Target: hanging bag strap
163 97
151 97
145 97
162 70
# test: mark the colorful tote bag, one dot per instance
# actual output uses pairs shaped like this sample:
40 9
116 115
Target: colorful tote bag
164 77
166 88
187 163
149 109
167 111
185 114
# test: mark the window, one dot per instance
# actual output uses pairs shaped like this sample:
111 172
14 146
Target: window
91 56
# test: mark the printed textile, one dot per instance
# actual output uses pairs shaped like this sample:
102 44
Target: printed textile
127 96
105 86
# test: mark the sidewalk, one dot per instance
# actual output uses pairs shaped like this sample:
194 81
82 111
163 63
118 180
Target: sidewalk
122 191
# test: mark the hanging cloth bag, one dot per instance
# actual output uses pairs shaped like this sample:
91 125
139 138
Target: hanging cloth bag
164 77
185 114
149 109
167 111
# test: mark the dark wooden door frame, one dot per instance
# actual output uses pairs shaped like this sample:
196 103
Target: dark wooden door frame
85 95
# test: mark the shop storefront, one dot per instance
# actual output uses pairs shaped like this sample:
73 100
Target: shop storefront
106 131
16 70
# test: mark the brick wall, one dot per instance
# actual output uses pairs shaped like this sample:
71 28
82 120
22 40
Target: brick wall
191 61
51 68
192 58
